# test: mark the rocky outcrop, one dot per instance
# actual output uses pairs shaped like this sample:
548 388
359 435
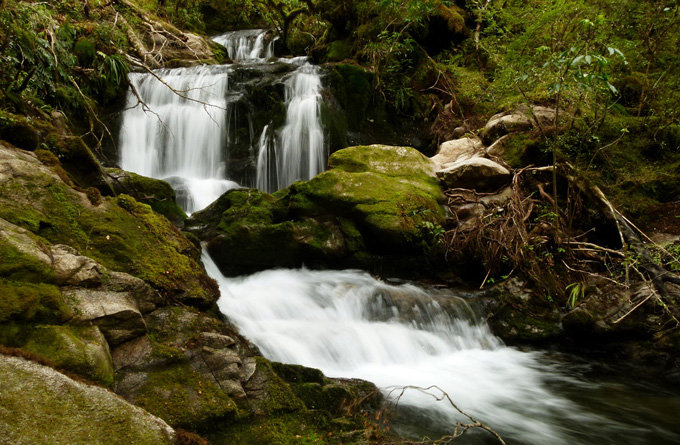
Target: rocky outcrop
120 233
41 405
376 206
154 192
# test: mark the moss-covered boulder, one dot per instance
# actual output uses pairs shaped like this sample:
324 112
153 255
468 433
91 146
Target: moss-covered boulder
377 207
82 350
120 233
154 192
41 405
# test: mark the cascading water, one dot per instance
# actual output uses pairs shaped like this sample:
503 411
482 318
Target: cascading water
246 45
298 152
178 137
348 324
188 128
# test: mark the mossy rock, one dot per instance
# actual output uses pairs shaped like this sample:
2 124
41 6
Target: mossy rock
338 50
40 405
184 398
38 302
20 134
287 429
269 393
22 265
156 193
121 233
82 350
374 201
297 373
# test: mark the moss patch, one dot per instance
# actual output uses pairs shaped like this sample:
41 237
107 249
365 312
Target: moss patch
121 233
183 398
79 349
39 302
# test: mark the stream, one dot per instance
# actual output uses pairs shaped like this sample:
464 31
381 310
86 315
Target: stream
347 323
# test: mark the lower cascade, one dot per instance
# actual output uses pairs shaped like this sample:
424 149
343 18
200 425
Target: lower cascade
190 126
348 324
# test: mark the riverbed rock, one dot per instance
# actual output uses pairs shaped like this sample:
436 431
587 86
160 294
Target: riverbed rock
40 405
376 206
476 173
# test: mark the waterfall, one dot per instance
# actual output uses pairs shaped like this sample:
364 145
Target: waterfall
246 45
183 125
298 152
178 135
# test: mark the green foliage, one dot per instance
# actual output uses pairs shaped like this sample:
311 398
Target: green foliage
576 292
85 51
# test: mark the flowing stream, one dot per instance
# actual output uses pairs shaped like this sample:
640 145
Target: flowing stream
185 125
347 323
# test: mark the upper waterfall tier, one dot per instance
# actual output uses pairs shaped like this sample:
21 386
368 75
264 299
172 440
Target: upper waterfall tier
247 44
181 132
207 129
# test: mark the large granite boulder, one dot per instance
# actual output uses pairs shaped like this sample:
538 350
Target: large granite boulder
377 207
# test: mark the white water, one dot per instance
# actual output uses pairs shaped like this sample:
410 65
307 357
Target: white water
184 136
298 151
247 45
177 135
348 324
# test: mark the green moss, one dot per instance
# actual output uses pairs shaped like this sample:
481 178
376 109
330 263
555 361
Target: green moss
121 233
20 266
375 198
38 302
80 349
154 192
338 50
297 373
40 405
278 397
85 51
20 134
287 429
180 396
354 89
